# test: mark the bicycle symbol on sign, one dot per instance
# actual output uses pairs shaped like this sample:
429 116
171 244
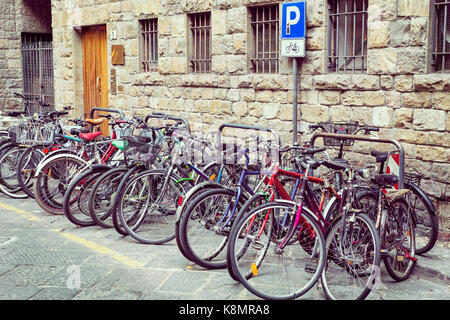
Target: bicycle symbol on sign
292 46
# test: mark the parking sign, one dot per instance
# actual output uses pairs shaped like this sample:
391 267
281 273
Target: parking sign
293 29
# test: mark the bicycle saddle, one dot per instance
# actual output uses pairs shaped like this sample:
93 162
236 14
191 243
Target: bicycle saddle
385 179
95 122
15 113
76 132
380 156
90 136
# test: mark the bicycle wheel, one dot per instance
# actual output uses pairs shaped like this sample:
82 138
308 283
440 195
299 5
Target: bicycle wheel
205 227
53 180
146 208
398 240
102 196
353 258
259 263
426 221
125 179
9 184
254 201
26 167
76 202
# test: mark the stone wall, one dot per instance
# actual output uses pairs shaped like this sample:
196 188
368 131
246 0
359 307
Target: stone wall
17 16
400 93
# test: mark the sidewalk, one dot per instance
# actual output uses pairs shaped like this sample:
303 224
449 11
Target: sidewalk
435 264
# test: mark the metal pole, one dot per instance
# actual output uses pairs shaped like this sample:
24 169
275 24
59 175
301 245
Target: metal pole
294 113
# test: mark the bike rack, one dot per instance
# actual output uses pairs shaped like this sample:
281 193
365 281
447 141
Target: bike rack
245 127
401 171
105 110
159 115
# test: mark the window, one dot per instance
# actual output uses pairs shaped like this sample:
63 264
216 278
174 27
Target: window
441 46
37 69
264 22
200 42
347 40
149 44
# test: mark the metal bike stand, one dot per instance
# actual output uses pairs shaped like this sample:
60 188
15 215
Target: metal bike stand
401 171
246 127
105 110
159 115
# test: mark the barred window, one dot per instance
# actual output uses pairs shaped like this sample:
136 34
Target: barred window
149 44
347 40
37 69
200 42
441 47
264 22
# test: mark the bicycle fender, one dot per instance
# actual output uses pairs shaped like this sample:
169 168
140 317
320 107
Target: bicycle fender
192 191
423 195
47 160
100 166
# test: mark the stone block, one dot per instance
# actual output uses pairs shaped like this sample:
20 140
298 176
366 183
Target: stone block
408 8
328 97
374 98
352 98
441 100
218 22
270 110
365 82
333 82
382 61
431 82
313 114
403 83
403 118
378 34
382 117
428 119
412 60
416 100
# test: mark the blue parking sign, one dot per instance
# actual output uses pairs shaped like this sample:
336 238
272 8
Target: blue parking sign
293 20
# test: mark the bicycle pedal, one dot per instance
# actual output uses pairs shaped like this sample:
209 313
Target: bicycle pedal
311 266
257 245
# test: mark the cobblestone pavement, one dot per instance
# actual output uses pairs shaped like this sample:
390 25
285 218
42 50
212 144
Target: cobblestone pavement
42 256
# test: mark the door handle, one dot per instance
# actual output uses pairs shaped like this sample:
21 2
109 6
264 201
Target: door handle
99 83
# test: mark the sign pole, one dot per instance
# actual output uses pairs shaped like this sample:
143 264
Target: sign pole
294 111
293 45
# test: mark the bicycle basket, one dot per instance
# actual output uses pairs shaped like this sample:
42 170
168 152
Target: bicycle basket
339 128
139 149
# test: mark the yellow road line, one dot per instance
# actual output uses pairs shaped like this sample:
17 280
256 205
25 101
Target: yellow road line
27 215
101 249
92 245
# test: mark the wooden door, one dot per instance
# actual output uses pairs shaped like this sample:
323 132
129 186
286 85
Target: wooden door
95 70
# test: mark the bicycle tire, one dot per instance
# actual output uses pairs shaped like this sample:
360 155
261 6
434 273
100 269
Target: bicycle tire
252 202
350 275
75 204
254 264
29 161
397 253
64 168
100 211
156 227
125 179
9 184
426 221
206 244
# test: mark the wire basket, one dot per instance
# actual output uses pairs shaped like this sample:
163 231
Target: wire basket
140 149
32 133
339 128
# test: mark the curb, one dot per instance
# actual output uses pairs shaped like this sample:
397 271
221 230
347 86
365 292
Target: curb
435 264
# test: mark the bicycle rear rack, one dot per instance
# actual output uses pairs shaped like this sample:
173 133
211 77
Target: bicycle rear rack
401 173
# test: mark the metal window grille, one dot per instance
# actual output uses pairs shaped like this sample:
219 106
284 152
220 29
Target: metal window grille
265 25
37 68
200 57
149 44
347 41
441 47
